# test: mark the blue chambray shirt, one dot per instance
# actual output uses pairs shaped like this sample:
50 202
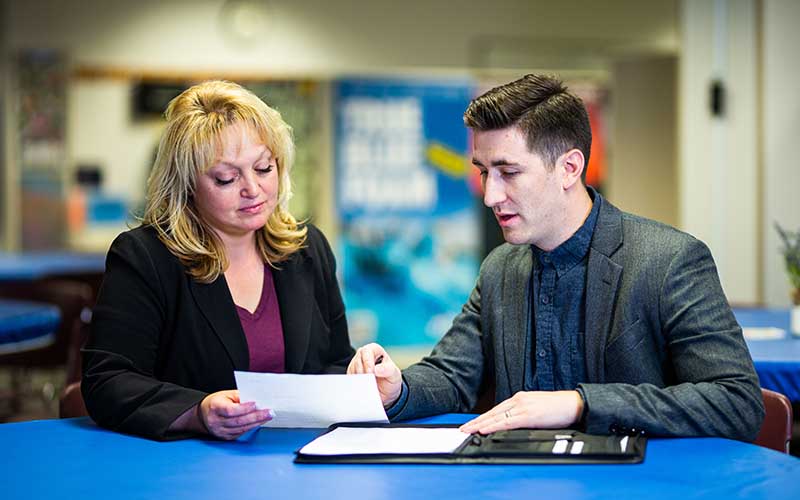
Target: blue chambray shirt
558 291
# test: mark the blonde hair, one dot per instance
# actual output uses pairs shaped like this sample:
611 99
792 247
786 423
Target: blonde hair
189 146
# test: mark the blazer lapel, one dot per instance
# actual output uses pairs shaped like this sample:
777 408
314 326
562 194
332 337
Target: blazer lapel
516 305
216 304
602 281
294 288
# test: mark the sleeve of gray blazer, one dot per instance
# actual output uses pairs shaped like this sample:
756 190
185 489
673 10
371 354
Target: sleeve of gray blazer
447 381
716 391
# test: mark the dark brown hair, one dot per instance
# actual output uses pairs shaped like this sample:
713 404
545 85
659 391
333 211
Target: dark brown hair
552 119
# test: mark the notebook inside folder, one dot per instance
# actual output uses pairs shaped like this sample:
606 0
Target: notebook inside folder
445 444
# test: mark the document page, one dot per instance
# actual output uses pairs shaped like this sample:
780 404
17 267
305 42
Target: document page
386 440
313 400
763 333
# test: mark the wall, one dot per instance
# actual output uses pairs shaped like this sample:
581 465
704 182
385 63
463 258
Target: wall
734 178
718 162
9 221
118 40
3 170
108 136
320 37
643 176
781 135
739 174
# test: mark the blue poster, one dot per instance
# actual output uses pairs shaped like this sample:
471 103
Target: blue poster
410 228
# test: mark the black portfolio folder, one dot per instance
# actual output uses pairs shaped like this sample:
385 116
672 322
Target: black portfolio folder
519 446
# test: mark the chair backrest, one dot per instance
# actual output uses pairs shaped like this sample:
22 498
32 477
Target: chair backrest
776 431
73 300
70 404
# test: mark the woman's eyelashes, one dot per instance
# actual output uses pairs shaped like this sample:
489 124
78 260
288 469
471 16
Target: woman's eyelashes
260 170
265 169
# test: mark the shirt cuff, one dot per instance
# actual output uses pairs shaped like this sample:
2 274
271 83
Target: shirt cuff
581 423
398 405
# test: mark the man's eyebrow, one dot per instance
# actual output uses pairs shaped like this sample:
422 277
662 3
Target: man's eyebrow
501 162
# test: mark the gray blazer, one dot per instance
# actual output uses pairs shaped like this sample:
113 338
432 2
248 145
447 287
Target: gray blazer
664 353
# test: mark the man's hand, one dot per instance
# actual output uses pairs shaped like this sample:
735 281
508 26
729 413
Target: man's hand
225 417
533 409
372 358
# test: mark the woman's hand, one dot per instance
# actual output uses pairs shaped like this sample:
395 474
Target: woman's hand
372 358
223 416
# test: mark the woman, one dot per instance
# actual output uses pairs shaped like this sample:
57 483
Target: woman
219 277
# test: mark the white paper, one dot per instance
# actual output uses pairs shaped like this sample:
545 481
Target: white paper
763 333
386 440
312 400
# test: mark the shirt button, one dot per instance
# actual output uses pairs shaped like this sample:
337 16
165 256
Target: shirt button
541 353
545 259
545 300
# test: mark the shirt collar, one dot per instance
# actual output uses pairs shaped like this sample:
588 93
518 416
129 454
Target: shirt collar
570 253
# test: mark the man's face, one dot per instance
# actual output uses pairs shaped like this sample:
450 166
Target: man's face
525 196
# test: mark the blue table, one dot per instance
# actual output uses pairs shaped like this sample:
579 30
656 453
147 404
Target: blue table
28 266
777 361
74 459
26 325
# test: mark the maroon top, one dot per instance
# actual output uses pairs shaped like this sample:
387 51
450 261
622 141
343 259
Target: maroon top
264 331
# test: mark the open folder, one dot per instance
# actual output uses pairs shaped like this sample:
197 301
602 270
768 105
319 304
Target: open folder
445 444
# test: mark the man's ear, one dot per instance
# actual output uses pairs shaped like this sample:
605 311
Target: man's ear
572 163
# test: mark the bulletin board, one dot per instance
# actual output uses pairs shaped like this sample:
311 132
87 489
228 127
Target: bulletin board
409 240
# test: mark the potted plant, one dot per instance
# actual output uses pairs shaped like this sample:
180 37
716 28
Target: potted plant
791 254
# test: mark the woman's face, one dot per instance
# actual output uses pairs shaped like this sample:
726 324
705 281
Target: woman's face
238 193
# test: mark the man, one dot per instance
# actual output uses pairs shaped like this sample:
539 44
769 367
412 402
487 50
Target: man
587 316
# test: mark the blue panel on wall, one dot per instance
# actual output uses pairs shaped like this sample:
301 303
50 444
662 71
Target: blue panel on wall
409 242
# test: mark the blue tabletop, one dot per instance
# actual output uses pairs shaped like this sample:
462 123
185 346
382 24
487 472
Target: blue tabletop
74 459
777 361
26 325
34 265
754 316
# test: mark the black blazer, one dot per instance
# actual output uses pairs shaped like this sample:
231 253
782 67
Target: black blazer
160 341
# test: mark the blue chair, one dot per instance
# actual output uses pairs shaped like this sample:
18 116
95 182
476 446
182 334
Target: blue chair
74 301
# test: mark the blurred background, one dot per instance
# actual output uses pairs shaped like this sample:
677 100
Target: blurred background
693 103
